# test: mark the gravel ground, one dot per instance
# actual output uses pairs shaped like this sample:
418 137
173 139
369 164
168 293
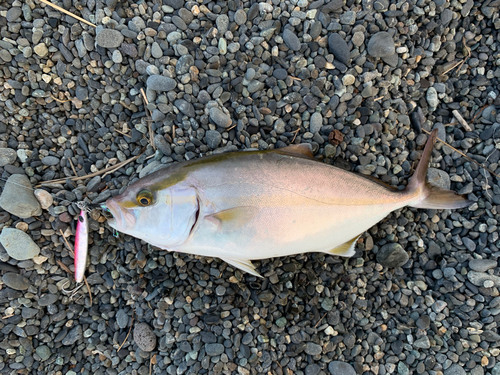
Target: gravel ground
361 81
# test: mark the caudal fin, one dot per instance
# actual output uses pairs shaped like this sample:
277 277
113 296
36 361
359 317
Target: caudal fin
432 196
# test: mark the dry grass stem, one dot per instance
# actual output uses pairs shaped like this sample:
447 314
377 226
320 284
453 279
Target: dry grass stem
452 67
72 166
126 337
105 171
461 120
122 133
88 288
67 243
67 12
64 267
150 126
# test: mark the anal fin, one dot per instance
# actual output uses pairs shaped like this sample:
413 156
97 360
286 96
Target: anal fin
347 249
242 264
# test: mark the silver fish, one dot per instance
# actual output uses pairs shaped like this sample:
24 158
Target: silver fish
244 206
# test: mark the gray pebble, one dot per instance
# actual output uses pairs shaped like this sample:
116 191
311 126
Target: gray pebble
213 138
144 337
338 46
313 349
7 156
214 349
291 40
316 122
18 244
15 281
18 199
13 14
482 265
381 45
240 17
183 64
43 352
220 118
341 368
160 83
455 369
392 255
47 299
185 107
122 318
439 178
109 38
73 336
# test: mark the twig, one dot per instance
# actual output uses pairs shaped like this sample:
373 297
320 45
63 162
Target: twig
106 170
64 267
319 321
122 133
479 112
452 67
461 153
461 120
67 12
150 126
152 361
67 243
59 100
126 337
465 58
295 136
88 288
72 166
377 99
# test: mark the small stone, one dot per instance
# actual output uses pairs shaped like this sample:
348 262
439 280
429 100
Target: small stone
184 63
144 337
432 97
18 199
222 22
44 198
18 244
316 122
392 255
381 45
348 79
280 74
455 369
213 139
214 349
341 368
73 336
7 156
313 349
47 300
291 40
160 83
312 369
43 352
136 24
156 51
422 343
15 281
423 322
13 14
24 155
220 118
50 160
185 107
338 46
479 278
281 322
41 50
109 38
240 17
122 319
482 265
439 178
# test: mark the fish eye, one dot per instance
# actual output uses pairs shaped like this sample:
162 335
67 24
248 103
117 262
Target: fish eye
144 198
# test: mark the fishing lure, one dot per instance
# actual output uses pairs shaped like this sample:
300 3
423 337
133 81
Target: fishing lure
81 243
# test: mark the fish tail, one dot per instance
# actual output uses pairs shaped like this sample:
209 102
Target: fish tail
429 196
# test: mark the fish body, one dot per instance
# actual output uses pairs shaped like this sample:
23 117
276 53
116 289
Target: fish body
81 246
254 205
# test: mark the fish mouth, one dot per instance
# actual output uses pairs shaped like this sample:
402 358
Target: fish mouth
120 219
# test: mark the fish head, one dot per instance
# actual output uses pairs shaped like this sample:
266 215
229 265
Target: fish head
162 216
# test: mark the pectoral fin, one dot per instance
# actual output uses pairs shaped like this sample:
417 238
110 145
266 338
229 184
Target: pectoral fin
233 218
346 249
242 264
303 150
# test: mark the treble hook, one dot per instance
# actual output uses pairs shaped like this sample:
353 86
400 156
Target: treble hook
70 293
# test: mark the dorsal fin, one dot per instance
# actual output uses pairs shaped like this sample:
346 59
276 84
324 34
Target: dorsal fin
302 150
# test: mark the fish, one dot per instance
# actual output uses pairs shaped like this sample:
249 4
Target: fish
81 246
244 206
